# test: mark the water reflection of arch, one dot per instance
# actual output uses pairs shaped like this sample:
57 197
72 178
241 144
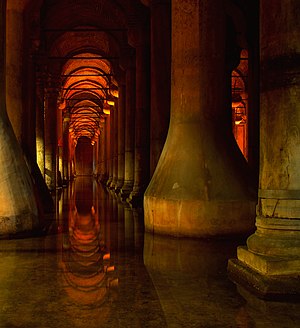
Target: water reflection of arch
87 272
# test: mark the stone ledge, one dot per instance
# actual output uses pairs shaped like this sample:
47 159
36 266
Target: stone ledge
269 265
276 288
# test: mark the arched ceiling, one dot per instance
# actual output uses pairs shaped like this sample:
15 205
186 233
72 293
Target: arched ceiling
86 86
82 43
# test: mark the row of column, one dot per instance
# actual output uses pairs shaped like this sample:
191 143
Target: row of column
138 125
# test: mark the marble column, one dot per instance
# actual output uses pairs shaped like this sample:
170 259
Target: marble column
18 208
121 137
129 129
139 39
199 187
160 77
270 263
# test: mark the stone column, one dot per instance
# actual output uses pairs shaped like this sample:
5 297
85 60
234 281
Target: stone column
199 187
107 147
18 209
40 112
114 134
121 137
270 264
66 173
50 125
101 150
139 39
111 146
160 77
14 64
129 129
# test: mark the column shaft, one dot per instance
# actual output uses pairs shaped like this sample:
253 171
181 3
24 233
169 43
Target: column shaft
129 132
18 209
160 78
199 188
142 118
121 137
50 139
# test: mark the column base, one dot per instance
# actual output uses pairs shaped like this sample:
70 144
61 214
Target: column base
136 198
113 184
268 287
119 186
108 182
126 190
198 218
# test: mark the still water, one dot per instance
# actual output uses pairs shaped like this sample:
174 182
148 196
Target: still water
95 267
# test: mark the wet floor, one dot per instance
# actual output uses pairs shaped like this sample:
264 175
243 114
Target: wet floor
97 268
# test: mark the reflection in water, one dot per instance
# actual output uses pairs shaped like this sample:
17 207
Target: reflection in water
86 259
100 270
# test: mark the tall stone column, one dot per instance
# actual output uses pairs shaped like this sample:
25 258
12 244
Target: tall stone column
121 137
111 148
18 209
115 133
129 129
160 77
50 125
104 150
40 111
270 264
199 188
107 148
101 151
66 172
14 64
139 39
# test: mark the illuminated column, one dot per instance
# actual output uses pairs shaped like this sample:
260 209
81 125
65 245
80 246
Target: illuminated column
199 187
139 38
101 150
160 77
105 178
18 210
51 95
66 123
111 147
60 149
40 142
115 151
104 145
121 137
129 129
270 264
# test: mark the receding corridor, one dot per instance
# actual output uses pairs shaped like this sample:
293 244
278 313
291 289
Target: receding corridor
149 163
96 268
